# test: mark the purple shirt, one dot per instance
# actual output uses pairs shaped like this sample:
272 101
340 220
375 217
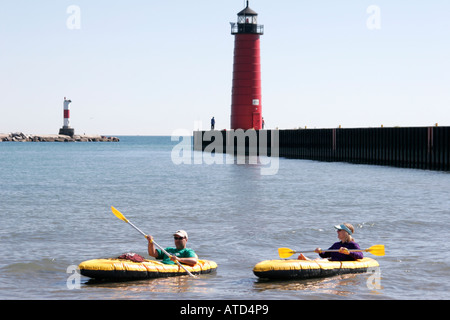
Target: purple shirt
336 256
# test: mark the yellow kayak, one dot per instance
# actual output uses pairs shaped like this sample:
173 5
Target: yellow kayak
123 269
306 269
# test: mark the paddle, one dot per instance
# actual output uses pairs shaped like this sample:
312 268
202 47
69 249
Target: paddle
119 215
377 250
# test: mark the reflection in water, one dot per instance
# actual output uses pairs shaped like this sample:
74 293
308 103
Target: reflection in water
323 285
179 284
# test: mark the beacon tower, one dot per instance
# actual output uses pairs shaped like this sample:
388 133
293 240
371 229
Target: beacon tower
66 129
246 110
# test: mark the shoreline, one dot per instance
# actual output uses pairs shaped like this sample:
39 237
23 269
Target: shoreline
21 137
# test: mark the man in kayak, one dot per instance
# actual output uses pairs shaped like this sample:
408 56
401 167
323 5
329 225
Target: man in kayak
346 243
178 253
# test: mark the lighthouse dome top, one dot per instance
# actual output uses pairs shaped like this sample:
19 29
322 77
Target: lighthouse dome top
247 12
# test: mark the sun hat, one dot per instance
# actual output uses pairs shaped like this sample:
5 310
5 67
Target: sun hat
181 233
345 228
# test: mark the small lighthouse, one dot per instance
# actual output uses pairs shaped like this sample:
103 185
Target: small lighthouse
246 108
66 129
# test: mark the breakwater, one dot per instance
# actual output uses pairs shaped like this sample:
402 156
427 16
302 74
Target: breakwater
406 147
21 137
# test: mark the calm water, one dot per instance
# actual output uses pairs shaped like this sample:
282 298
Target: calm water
55 212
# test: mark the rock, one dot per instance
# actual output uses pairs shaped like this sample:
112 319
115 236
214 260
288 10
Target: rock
21 137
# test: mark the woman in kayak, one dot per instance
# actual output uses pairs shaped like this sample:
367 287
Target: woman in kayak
346 243
178 253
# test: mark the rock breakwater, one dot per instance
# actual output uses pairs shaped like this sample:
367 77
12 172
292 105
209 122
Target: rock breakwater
21 137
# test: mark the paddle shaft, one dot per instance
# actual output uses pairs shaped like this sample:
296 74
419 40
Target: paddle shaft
377 250
162 249
350 250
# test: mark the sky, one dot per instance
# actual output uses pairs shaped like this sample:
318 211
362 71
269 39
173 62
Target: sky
145 67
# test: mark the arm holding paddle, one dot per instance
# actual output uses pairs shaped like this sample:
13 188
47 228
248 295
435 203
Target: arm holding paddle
346 249
189 261
342 250
151 247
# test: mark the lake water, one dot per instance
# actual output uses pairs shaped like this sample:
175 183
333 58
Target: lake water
55 201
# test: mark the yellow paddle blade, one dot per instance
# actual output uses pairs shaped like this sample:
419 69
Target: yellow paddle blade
285 252
377 250
118 214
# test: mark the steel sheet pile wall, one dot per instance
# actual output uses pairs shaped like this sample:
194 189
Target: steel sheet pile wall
407 147
410 147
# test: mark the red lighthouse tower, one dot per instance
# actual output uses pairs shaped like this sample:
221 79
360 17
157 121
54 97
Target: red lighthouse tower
246 110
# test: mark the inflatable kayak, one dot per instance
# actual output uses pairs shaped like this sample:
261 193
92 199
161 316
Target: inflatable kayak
123 269
306 269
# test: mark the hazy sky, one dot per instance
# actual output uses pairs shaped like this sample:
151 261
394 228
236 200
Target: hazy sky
143 67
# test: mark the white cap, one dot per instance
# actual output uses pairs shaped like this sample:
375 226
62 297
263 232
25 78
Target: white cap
181 233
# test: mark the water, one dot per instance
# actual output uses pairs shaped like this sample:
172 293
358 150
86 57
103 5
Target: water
55 212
